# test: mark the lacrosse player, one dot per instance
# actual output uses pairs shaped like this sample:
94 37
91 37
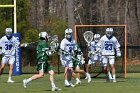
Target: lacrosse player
93 54
78 59
8 43
43 52
67 47
109 46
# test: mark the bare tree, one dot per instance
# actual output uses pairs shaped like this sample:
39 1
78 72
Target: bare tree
70 11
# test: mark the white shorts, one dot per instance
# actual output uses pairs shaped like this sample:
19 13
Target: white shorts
9 60
66 62
94 60
108 60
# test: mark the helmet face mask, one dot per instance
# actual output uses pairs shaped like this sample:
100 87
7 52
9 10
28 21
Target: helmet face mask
8 32
68 33
96 37
109 32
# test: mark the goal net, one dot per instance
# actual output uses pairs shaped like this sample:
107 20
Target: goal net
119 33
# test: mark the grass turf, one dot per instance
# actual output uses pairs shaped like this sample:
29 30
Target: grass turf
98 85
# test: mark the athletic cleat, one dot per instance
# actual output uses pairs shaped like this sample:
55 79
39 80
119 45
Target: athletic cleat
110 78
114 81
72 85
56 89
78 82
25 83
67 84
10 81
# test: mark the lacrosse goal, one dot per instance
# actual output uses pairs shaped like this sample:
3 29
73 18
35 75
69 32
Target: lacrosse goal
119 32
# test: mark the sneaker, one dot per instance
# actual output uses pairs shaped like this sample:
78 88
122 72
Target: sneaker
25 83
56 89
10 81
78 82
72 85
114 81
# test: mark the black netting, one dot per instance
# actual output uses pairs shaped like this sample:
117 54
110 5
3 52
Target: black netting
119 32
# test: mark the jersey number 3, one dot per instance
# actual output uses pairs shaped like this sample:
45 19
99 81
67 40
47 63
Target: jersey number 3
8 47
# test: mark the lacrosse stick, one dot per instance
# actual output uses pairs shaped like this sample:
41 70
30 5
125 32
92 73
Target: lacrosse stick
80 59
88 36
28 44
54 43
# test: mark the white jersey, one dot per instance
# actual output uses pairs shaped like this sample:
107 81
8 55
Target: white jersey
108 46
8 46
93 47
68 47
95 55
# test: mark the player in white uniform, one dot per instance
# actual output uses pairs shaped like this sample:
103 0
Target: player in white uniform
8 43
93 54
109 45
67 47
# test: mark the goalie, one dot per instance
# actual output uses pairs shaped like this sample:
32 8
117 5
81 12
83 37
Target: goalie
94 53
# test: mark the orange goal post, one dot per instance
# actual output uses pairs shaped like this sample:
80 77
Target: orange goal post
120 32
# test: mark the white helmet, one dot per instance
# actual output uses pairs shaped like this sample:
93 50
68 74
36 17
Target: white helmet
43 35
8 31
68 33
97 37
109 32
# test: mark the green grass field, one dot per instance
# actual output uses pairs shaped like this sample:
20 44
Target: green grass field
98 85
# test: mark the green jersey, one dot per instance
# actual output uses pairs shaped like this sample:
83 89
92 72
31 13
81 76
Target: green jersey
41 48
77 52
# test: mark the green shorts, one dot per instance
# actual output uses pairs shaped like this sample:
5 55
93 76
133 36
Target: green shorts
43 67
75 63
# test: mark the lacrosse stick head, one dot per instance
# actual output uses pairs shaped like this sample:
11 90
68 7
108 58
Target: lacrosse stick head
54 43
55 38
88 36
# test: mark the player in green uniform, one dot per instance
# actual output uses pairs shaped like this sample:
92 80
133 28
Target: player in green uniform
77 60
42 65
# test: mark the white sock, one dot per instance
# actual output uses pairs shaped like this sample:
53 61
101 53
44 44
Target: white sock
87 74
53 85
109 74
10 78
29 79
114 76
77 79
66 80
